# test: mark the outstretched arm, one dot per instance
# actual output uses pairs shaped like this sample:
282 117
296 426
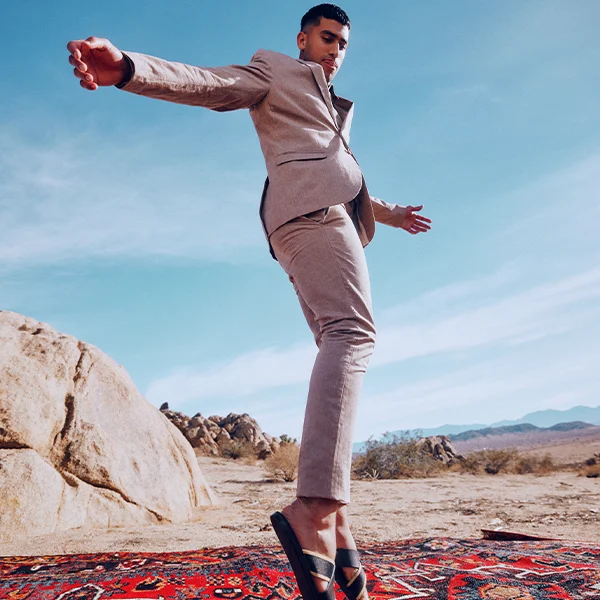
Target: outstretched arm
217 88
404 217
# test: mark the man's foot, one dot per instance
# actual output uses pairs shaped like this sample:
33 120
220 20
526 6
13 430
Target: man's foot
344 539
313 521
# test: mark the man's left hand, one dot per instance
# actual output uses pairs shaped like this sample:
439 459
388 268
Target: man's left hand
415 223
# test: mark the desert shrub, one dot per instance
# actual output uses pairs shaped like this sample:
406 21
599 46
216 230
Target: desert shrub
237 449
507 460
283 463
591 470
491 462
286 439
394 457
594 460
531 464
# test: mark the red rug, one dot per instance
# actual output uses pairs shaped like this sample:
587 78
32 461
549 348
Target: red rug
440 568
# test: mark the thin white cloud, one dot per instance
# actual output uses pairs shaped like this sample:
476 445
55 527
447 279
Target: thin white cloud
246 374
543 310
567 210
84 196
535 33
536 313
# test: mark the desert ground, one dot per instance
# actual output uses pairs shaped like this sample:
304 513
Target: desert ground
562 505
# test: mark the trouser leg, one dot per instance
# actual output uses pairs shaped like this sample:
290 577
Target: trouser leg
324 259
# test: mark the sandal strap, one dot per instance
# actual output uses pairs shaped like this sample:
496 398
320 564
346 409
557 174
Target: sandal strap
354 587
357 586
320 566
345 557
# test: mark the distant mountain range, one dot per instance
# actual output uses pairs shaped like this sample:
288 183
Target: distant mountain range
522 428
539 419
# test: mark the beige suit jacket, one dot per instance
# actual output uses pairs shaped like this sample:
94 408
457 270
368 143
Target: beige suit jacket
309 162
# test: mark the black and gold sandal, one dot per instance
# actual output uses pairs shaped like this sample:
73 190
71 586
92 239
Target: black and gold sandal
305 563
355 587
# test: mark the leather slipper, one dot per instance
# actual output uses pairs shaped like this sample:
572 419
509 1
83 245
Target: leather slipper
355 587
305 563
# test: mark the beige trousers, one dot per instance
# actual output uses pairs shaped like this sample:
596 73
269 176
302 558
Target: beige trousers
325 261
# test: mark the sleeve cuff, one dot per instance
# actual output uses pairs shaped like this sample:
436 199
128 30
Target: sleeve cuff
130 72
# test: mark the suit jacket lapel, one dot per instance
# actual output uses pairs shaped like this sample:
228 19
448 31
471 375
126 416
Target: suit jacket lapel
342 103
317 71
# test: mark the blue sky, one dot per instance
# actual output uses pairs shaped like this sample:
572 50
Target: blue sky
133 223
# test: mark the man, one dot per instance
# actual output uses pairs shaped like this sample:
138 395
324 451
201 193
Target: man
317 216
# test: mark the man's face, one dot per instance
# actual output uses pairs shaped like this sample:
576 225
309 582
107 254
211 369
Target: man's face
325 44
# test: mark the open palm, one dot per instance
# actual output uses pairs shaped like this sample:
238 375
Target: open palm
415 223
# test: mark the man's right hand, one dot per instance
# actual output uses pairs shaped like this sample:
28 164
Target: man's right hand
97 62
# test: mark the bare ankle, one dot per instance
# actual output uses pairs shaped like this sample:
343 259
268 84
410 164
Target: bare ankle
319 508
342 520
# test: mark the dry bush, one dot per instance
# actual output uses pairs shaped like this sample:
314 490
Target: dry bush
286 439
591 470
537 465
394 457
283 464
488 461
237 449
594 460
507 460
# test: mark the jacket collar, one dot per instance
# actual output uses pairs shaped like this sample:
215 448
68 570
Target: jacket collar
319 75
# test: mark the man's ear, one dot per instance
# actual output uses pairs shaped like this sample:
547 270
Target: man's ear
301 40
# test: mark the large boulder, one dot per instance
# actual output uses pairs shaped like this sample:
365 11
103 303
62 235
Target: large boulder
79 445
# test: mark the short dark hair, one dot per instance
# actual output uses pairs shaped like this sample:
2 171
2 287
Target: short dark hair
329 11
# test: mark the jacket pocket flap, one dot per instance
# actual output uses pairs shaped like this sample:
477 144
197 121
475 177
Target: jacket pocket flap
289 156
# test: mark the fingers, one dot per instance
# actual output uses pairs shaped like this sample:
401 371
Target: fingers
419 217
75 59
87 77
418 223
96 43
422 219
90 43
80 49
88 86
415 227
77 62
74 47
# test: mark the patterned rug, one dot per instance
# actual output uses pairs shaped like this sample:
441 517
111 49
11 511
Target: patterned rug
440 568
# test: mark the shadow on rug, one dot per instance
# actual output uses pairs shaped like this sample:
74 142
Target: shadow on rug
440 568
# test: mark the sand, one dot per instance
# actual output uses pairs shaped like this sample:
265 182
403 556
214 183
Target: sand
562 505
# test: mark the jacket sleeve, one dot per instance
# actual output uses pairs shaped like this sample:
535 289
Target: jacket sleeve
388 214
218 88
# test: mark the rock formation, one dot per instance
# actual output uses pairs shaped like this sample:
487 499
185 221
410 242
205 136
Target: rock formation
79 445
440 447
210 434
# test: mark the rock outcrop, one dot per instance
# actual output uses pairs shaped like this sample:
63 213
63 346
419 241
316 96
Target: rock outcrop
79 445
211 434
441 448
